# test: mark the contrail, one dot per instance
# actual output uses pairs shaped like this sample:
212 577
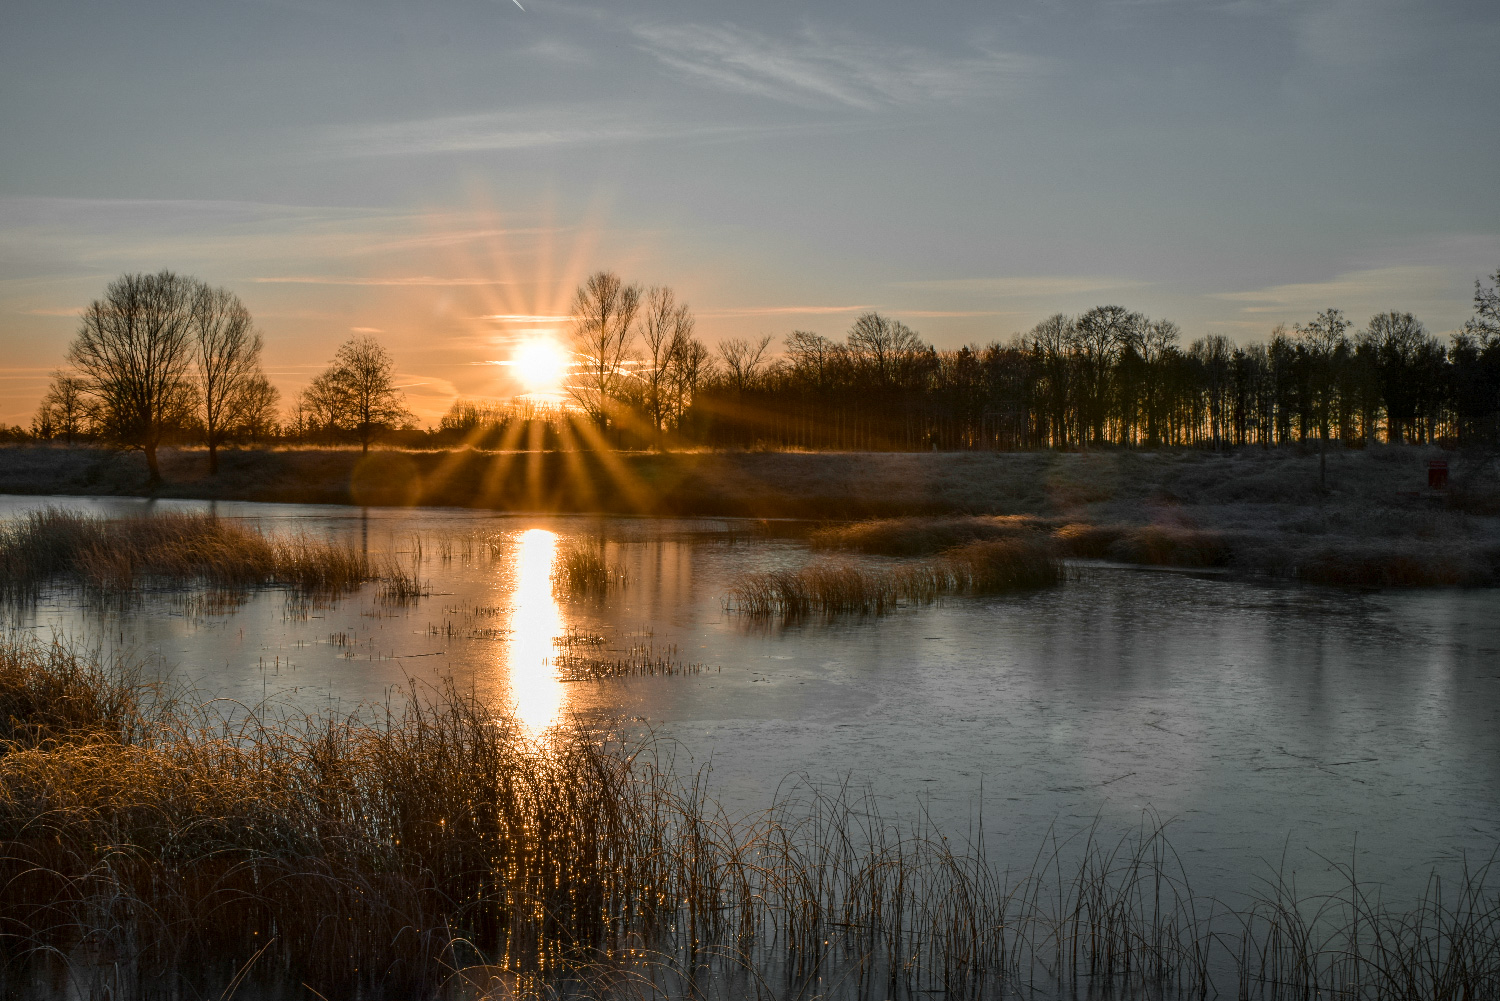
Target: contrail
517 3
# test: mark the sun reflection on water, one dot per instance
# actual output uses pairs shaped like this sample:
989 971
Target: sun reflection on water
534 620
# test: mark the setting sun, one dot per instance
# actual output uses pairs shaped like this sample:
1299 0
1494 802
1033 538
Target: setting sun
541 366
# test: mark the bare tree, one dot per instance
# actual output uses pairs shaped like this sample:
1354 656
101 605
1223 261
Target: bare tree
666 326
812 356
885 345
255 410
357 392
1096 339
134 347
1214 353
1324 338
1397 342
604 310
1484 325
1157 342
690 365
64 409
742 360
227 355
1049 343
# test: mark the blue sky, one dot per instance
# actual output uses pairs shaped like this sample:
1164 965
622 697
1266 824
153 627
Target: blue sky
444 172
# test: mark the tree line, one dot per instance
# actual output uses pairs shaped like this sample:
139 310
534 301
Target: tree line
1106 377
166 357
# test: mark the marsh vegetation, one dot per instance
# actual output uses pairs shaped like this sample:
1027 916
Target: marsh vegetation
830 587
119 555
582 569
149 844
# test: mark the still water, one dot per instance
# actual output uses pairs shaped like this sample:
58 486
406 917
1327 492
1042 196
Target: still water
1265 722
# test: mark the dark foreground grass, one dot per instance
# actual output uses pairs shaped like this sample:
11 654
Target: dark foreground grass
150 849
120 555
838 588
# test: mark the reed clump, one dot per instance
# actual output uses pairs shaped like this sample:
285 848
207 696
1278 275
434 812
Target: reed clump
582 569
151 848
832 588
640 660
923 536
176 549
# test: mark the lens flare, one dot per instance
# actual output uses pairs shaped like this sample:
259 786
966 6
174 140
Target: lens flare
541 366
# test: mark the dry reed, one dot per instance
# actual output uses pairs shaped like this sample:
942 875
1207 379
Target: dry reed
641 659
922 536
838 588
581 569
147 848
125 554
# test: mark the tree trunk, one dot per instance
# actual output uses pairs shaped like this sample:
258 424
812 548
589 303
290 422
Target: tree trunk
1323 458
213 458
153 480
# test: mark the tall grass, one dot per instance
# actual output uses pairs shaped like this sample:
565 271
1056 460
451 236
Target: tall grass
923 536
581 569
149 847
125 554
838 588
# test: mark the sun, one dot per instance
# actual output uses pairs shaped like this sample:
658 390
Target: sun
541 366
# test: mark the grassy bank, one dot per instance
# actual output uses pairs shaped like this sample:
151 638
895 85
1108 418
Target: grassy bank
147 845
1252 511
842 485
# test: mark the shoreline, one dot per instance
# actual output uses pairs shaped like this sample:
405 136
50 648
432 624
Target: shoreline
1252 512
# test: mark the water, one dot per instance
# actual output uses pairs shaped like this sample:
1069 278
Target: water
1262 721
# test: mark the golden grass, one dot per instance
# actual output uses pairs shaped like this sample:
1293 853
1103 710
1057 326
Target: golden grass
150 848
922 536
838 588
582 570
122 554
119 556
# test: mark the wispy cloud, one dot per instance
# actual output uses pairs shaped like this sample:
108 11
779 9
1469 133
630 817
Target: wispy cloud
367 330
418 280
780 311
945 313
1399 284
525 317
527 129
821 68
1039 286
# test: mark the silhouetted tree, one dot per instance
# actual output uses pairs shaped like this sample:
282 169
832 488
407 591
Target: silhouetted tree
1324 339
226 352
604 311
666 327
357 393
64 410
134 349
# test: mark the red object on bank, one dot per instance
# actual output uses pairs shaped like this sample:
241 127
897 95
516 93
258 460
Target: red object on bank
1437 474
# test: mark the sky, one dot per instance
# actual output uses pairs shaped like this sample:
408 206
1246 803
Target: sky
442 174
